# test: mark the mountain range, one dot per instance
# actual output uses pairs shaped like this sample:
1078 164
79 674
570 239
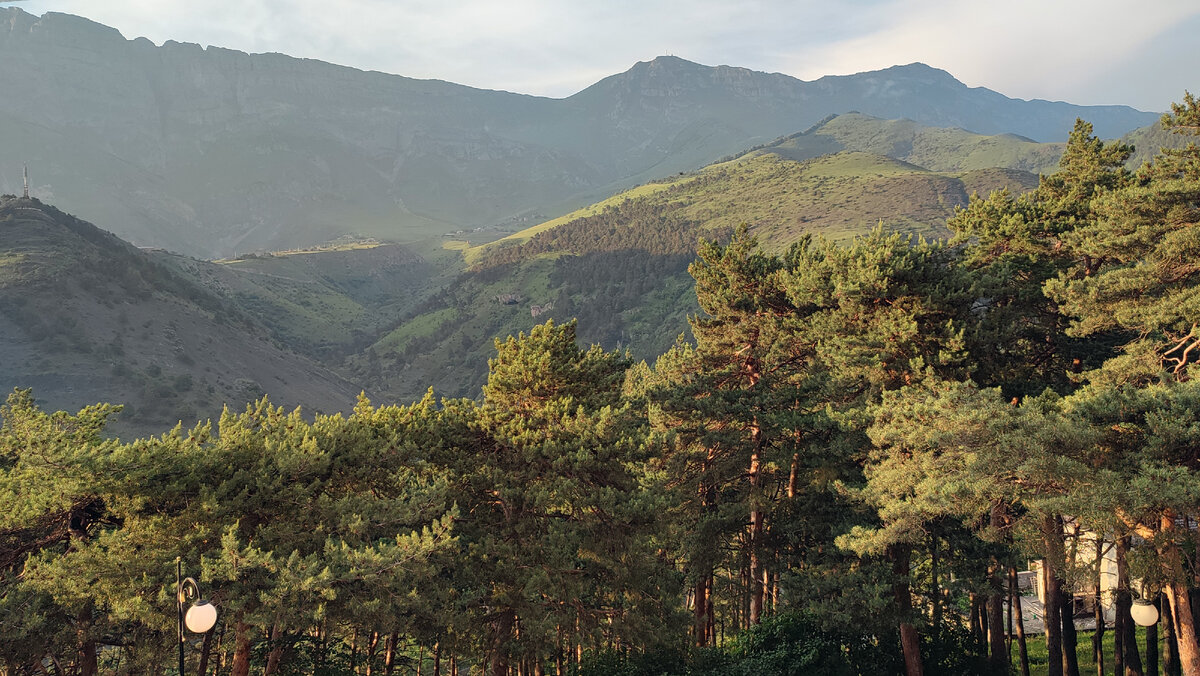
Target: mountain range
374 232
211 152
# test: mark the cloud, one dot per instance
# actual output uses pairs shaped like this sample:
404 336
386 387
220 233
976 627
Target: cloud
1029 48
1025 48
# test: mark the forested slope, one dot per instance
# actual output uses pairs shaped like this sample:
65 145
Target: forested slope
621 269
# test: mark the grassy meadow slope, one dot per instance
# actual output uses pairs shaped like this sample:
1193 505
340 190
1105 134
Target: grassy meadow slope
85 317
934 148
837 195
620 266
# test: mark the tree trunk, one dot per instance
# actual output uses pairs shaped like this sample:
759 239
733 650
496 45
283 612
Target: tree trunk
1152 642
1070 637
754 614
1022 649
743 621
220 661
997 651
1171 655
1098 635
997 648
389 655
793 476
910 640
935 589
1171 559
975 622
502 628
1128 660
437 659
984 618
558 651
87 645
1052 618
703 607
1008 620
241 650
372 647
704 579
205 650
1185 628
276 651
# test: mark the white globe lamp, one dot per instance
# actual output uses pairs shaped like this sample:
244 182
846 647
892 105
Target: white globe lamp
1144 613
201 617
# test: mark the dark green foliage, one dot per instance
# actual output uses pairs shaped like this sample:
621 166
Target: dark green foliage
792 644
1014 245
653 227
1138 269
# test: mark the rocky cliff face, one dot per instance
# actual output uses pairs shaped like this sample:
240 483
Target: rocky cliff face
213 151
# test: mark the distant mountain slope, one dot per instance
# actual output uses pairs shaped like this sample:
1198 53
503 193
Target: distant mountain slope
85 317
620 267
324 303
837 196
211 151
934 148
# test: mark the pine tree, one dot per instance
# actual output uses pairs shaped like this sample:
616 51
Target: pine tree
52 473
1014 245
1137 273
555 523
1137 276
882 318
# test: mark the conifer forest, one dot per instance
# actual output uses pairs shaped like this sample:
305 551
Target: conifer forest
842 473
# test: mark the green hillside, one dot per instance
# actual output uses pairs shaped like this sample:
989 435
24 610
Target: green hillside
935 148
326 302
105 320
620 266
837 196
86 317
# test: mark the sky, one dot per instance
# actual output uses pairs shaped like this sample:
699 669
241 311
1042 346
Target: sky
1143 54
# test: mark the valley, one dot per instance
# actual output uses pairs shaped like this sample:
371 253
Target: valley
393 319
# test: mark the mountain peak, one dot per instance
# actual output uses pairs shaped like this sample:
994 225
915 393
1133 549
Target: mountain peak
671 61
921 71
665 65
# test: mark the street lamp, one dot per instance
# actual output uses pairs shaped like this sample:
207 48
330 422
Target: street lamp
1143 613
200 617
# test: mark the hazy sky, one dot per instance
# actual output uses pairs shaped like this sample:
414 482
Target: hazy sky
1143 54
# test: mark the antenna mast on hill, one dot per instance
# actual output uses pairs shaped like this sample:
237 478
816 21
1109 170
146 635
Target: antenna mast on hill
26 180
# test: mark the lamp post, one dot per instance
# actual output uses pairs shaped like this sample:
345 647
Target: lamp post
200 617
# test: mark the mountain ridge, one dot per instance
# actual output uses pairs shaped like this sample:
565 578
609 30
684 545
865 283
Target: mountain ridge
213 152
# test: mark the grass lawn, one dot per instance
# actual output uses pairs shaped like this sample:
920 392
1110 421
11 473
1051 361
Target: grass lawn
1038 657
